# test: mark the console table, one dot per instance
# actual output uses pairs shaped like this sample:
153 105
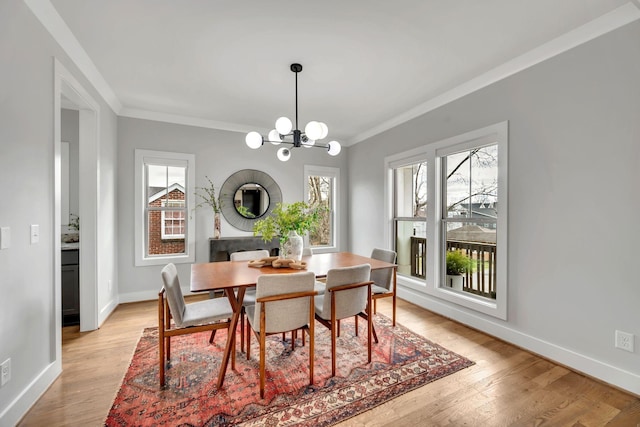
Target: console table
220 249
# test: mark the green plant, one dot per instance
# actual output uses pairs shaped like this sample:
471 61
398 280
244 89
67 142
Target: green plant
298 217
245 212
457 263
208 197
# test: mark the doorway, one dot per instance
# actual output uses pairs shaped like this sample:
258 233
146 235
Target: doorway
69 94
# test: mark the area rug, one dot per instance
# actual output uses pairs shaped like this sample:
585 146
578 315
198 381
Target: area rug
401 362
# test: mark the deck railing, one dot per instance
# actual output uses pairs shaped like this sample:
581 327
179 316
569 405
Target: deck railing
480 280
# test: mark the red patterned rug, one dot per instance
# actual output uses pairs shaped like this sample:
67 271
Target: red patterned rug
401 362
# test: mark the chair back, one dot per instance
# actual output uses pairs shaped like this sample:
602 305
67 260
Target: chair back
289 314
173 293
348 302
382 277
249 255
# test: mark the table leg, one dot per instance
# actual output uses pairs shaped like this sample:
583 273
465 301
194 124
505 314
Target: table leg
236 304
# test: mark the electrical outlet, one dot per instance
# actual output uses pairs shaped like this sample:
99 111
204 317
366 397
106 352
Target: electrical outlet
624 341
5 370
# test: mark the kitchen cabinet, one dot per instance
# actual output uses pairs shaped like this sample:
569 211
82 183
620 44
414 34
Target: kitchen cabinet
70 287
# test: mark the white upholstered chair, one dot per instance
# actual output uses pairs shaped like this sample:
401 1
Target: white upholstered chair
284 302
383 284
207 315
250 294
348 293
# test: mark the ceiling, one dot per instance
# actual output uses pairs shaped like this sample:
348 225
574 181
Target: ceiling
368 64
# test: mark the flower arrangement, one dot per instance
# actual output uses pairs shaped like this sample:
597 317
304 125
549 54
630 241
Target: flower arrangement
208 197
298 217
457 263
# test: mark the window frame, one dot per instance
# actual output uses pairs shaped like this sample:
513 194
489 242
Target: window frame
162 158
431 153
334 174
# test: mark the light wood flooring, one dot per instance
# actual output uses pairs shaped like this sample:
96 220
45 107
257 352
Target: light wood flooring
506 387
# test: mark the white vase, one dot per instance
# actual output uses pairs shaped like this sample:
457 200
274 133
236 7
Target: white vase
216 225
292 248
455 281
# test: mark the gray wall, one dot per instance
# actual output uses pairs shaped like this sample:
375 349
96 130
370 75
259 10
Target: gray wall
27 298
218 155
574 170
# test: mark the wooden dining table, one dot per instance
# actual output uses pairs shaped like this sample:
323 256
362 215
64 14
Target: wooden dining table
228 275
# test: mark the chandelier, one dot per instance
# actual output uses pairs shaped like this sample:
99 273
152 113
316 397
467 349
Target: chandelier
284 133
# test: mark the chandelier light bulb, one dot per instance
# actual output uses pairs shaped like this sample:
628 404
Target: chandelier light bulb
325 130
308 143
334 148
254 140
284 126
313 130
284 154
274 137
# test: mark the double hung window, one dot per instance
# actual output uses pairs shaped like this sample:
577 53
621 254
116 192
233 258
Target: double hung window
164 189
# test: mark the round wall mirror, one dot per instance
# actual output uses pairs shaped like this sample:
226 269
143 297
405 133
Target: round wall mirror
247 196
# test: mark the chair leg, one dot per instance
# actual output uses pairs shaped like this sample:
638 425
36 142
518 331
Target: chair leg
294 336
262 363
248 341
213 335
242 316
375 306
333 349
356 325
161 357
338 328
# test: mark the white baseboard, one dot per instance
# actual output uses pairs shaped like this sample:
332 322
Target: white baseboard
23 402
107 310
603 371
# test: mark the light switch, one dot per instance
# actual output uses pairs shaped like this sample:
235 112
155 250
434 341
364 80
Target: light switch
35 233
5 237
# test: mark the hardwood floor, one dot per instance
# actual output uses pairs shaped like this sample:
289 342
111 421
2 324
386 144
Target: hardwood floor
506 387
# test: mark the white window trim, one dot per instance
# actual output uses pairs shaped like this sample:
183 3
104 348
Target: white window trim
142 156
497 133
334 173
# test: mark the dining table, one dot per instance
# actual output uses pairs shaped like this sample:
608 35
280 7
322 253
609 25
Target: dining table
230 276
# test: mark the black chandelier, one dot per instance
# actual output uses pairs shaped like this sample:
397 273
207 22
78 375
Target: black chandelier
285 134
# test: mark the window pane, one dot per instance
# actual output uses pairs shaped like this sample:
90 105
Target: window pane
472 183
411 244
156 244
321 195
473 245
410 183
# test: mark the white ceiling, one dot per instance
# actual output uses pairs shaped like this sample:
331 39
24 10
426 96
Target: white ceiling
368 64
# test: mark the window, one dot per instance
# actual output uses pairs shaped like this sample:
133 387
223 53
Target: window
410 217
448 201
164 185
321 190
173 220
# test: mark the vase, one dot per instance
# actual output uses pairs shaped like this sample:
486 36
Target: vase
455 281
216 225
292 248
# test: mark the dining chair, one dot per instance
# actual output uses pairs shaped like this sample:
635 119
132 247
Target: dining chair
383 284
207 315
284 302
249 294
348 293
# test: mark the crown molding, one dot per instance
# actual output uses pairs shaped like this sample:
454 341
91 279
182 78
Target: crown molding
53 22
188 120
608 22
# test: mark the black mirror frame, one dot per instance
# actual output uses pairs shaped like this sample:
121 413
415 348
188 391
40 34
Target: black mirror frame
237 180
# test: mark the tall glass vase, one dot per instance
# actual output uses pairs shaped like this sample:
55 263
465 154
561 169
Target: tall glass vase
292 248
216 225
